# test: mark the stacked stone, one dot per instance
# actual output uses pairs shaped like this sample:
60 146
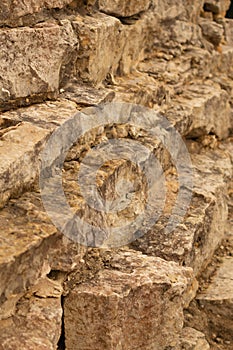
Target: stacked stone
57 58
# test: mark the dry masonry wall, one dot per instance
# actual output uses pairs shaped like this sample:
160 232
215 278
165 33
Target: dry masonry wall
162 291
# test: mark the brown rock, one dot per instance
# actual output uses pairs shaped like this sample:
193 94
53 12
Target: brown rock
217 6
212 310
19 149
191 339
37 322
30 248
228 25
212 31
11 12
33 61
100 47
135 303
87 96
123 8
194 241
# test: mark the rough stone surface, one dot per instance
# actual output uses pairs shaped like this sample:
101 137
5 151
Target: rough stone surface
37 322
100 46
22 136
20 146
136 293
11 12
33 61
174 56
123 8
213 310
217 6
212 31
29 239
87 96
229 30
191 339
194 241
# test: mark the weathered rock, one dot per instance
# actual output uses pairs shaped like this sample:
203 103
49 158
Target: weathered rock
87 96
194 241
37 322
100 47
22 136
20 147
34 61
217 6
200 108
196 110
10 12
138 300
30 248
212 311
191 339
178 9
123 8
228 26
212 31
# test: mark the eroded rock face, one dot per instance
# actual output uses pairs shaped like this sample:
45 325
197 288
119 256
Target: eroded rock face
194 241
123 8
31 247
100 47
217 6
37 322
191 339
137 299
20 147
32 60
11 11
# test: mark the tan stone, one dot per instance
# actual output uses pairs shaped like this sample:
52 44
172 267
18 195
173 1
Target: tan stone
33 61
191 339
123 8
23 134
194 241
30 248
11 11
182 9
217 6
135 303
85 95
100 47
212 311
228 25
212 31
37 321
19 149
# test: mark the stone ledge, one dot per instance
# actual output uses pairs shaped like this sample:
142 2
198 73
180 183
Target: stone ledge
11 12
135 293
37 319
33 61
194 241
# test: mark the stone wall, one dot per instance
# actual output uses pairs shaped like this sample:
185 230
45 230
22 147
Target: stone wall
160 290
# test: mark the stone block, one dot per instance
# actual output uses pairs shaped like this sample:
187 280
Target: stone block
136 303
30 247
123 8
217 6
11 12
33 60
37 319
191 339
100 47
19 149
194 241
